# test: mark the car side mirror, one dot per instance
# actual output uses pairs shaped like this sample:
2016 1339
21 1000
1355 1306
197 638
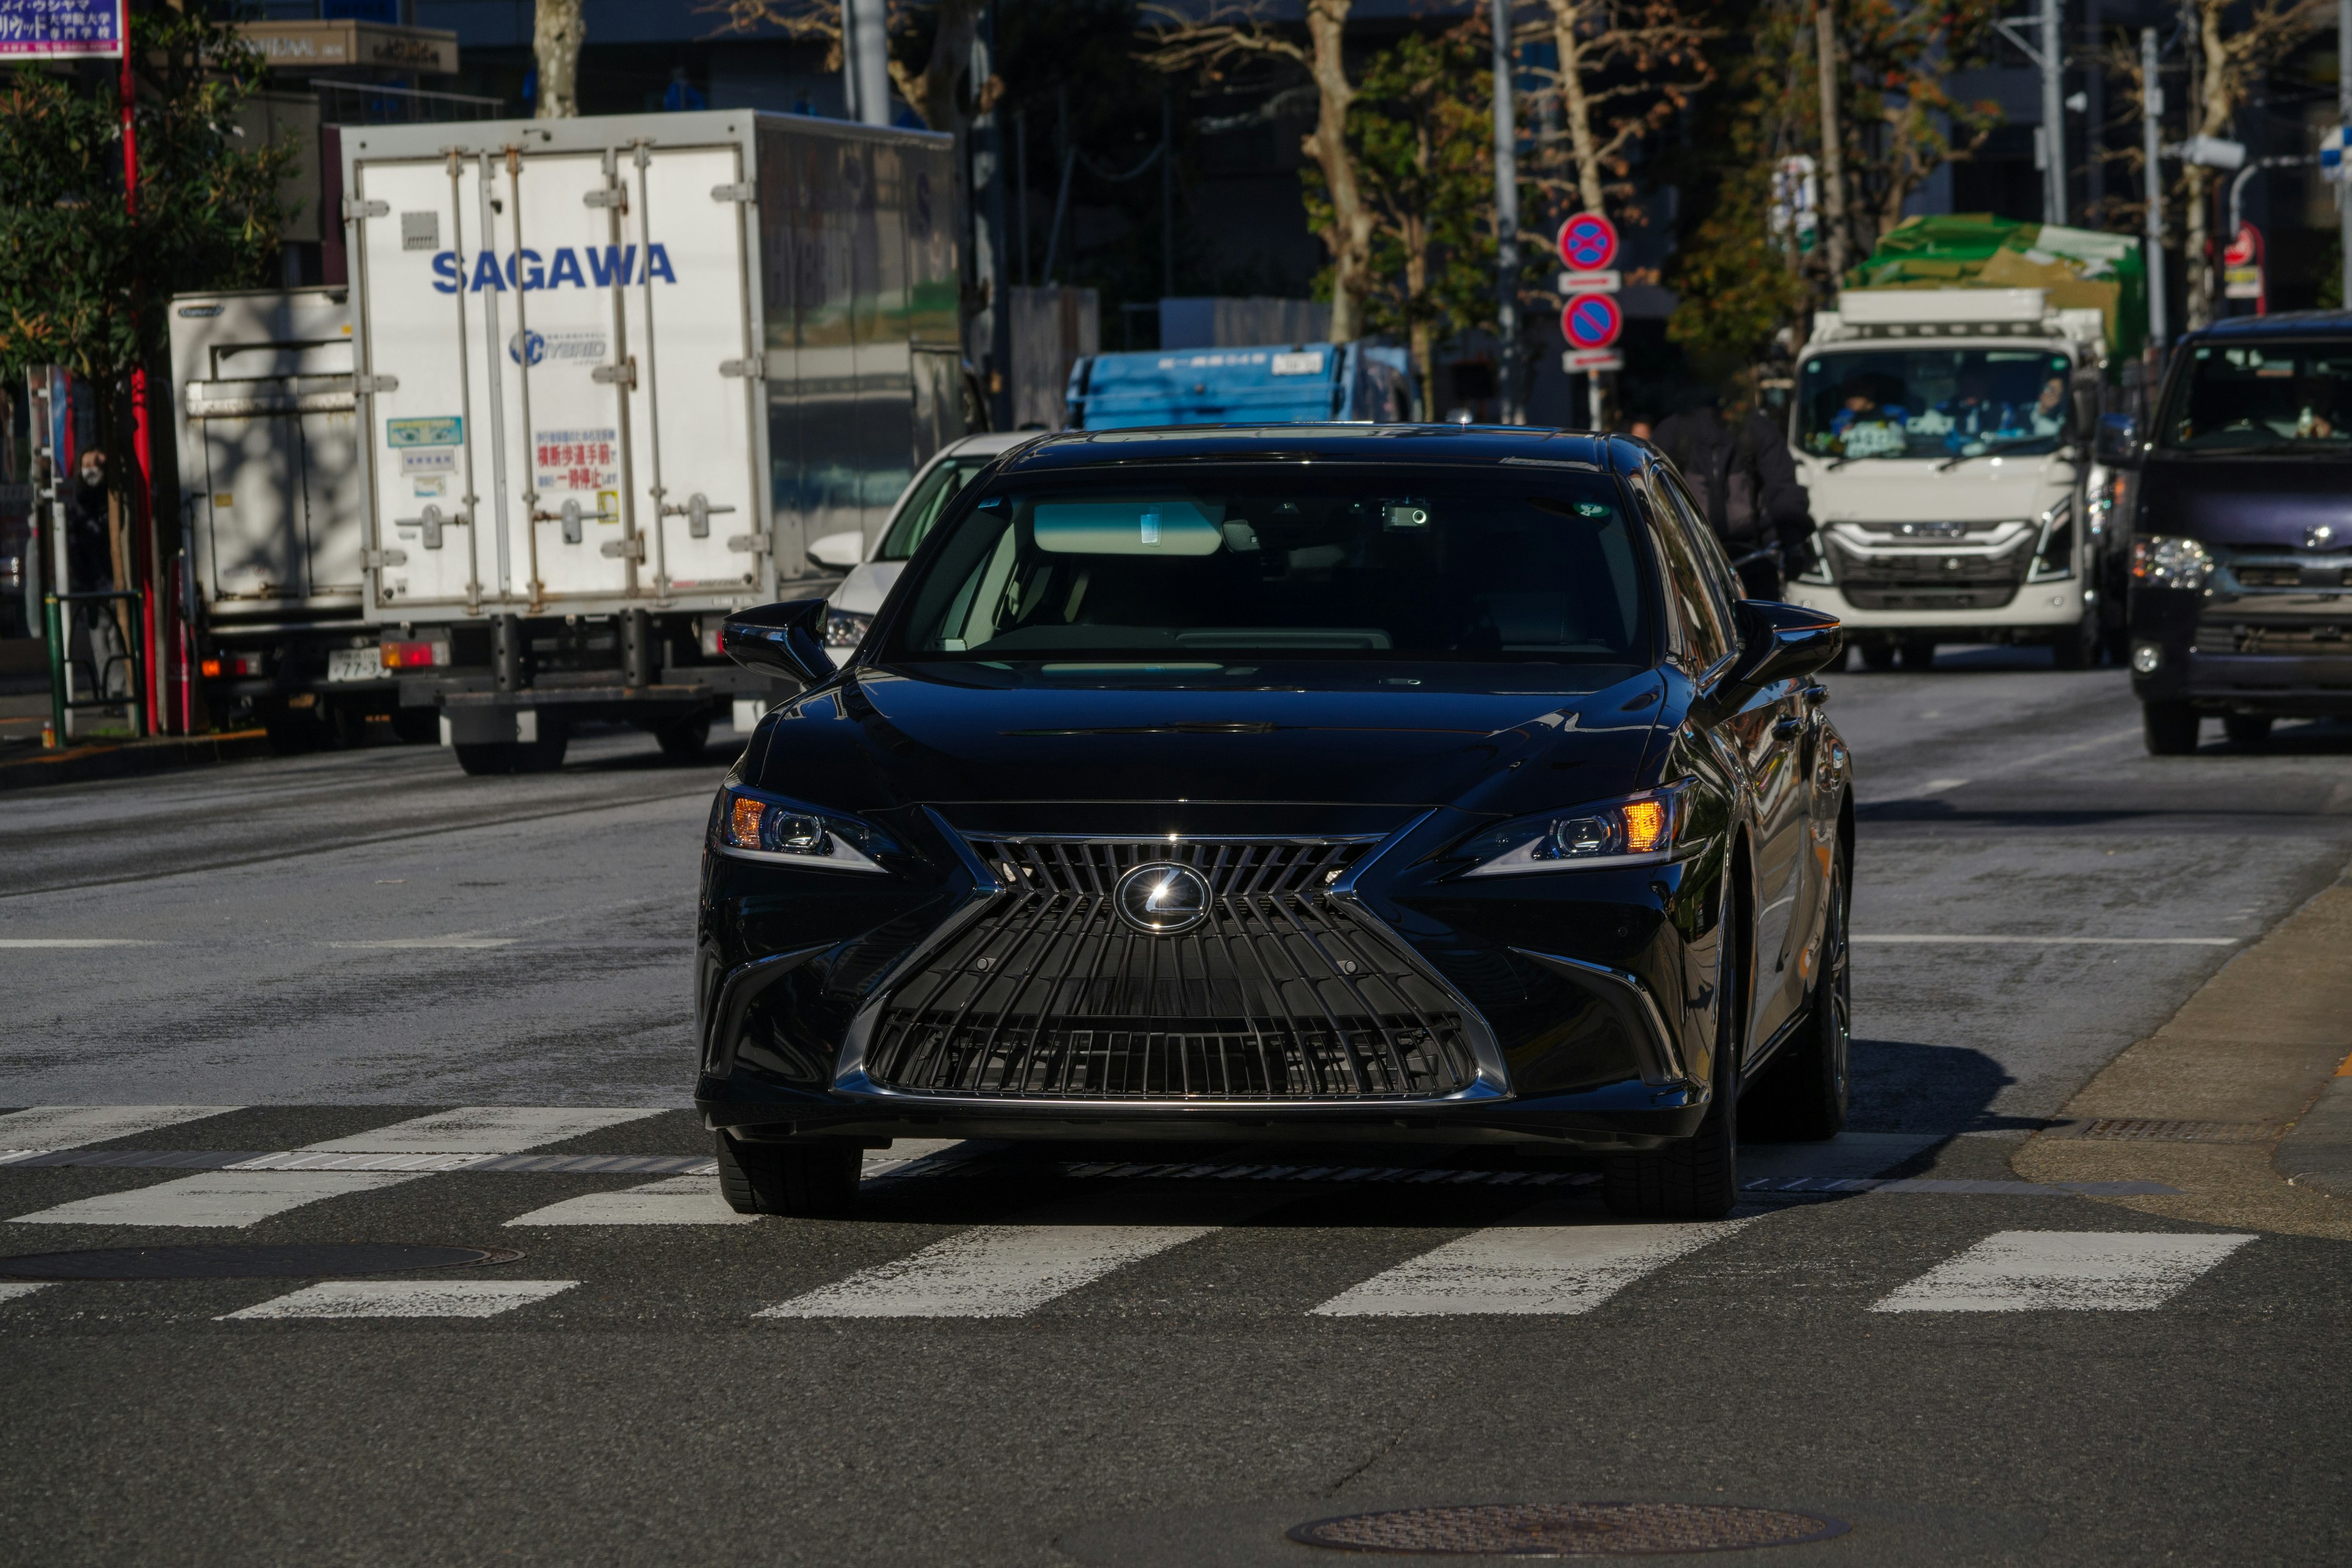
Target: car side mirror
838 551
1786 642
2118 444
786 639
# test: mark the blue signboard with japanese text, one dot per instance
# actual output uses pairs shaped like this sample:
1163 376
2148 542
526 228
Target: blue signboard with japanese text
60 29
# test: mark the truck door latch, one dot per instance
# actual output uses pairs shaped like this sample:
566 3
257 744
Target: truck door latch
623 550
376 559
431 523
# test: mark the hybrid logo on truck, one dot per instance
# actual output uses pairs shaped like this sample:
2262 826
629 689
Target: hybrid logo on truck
606 266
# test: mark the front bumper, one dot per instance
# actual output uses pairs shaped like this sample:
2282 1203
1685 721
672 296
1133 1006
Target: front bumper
2037 609
2225 653
1585 998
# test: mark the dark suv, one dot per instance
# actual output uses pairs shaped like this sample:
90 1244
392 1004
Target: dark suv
2241 516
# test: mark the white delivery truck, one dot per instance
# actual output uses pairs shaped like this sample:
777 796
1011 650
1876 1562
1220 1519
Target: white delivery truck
616 374
267 437
1945 436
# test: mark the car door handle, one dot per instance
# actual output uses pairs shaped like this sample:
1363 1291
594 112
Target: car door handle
1788 729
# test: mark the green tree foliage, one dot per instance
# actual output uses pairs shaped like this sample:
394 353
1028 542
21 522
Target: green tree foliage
86 285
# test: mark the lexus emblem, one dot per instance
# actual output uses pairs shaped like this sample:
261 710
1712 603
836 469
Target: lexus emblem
2319 536
1162 898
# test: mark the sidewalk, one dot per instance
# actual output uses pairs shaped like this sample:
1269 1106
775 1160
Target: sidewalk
2243 1099
26 769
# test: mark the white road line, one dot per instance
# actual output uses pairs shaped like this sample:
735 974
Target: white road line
992 1271
75 941
17 1290
405 1298
481 1130
679 1200
78 1126
217 1200
232 1198
2063 1270
1569 1267
1910 941
431 942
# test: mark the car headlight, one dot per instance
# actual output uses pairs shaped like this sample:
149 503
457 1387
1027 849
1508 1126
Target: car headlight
2161 560
2054 548
754 826
1636 829
846 628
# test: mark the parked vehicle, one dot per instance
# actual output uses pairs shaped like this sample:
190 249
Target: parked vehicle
1445 793
876 559
616 374
2239 509
267 437
1359 381
1943 438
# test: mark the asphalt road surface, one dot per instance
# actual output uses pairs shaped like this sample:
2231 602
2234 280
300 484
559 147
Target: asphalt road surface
350 973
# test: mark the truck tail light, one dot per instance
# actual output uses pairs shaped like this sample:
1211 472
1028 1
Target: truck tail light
210 668
231 664
414 655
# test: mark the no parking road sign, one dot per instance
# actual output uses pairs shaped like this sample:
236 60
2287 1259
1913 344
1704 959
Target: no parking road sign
1591 320
1588 242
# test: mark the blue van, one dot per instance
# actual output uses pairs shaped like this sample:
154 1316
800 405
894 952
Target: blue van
1272 385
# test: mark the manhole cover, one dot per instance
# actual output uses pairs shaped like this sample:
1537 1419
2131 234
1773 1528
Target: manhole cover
1570 1529
245 1262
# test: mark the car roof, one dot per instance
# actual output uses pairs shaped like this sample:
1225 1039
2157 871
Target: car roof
1448 445
2286 323
988 443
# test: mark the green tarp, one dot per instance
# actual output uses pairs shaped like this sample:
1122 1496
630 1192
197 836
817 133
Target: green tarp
2078 267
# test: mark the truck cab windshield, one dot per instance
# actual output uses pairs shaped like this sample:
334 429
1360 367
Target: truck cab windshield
1934 403
2265 397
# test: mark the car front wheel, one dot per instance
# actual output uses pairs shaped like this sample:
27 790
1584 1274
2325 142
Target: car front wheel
811 1180
1801 1098
1698 1177
2169 727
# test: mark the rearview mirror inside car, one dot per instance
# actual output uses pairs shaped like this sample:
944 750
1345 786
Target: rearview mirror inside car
2119 444
1784 642
786 639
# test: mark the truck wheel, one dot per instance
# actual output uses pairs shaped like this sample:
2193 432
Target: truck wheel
685 738
417 726
1878 657
343 722
2077 647
291 733
543 755
811 1180
486 757
2169 727
1918 654
2247 731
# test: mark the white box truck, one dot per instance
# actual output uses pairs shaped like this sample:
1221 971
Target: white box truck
616 374
271 486
1945 438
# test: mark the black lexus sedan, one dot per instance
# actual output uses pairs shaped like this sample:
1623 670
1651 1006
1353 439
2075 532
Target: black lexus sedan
1386 783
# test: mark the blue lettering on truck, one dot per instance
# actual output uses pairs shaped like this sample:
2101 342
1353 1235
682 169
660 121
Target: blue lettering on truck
613 263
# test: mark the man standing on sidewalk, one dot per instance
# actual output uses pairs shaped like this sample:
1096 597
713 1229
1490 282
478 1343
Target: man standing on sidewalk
92 556
1740 472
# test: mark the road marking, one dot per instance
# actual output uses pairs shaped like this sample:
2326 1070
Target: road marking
680 1200
222 1200
481 1130
2063 1270
1906 940
75 941
1564 1268
1938 786
17 1290
992 1271
72 1126
256 1191
405 1298
431 942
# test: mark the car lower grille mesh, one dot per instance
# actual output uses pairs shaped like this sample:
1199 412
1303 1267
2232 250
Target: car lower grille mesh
1279 994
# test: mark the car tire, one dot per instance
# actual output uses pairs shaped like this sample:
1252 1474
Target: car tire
809 1180
1878 657
684 740
2247 731
1695 1177
1917 653
2169 729
1802 1096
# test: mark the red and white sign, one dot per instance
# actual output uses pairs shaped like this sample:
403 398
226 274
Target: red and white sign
1607 282
61 29
2241 267
1588 243
1584 361
1591 320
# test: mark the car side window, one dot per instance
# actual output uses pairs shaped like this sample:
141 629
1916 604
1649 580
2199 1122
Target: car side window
1702 624
1714 566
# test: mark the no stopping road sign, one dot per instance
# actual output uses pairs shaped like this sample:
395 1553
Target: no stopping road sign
1588 242
1591 320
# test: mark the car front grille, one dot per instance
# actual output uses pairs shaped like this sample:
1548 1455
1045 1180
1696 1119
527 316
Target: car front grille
1281 993
1910 578
2322 641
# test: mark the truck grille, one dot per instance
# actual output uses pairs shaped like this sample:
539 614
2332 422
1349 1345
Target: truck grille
1280 994
1915 579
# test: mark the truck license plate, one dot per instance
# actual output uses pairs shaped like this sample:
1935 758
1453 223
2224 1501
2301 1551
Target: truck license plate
353 664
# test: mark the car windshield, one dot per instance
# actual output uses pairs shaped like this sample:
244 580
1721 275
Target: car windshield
2269 396
1933 402
1217 563
926 499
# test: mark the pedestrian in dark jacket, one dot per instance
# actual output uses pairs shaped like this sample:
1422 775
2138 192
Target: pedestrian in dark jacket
89 556
1740 471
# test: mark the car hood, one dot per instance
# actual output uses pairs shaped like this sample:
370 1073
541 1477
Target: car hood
955 737
2257 502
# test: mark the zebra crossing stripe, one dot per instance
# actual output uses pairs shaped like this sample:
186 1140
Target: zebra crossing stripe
17 1290
2063 1270
71 1126
481 1130
1563 1263
680 1200
404 1299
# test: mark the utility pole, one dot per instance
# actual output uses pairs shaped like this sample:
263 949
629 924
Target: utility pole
865 60
2151 146
2053 116
1507 219
1833 145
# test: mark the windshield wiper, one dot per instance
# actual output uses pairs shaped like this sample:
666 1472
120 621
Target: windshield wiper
1957 458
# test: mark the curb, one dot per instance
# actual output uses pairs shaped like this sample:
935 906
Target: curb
2317 1152
85 764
